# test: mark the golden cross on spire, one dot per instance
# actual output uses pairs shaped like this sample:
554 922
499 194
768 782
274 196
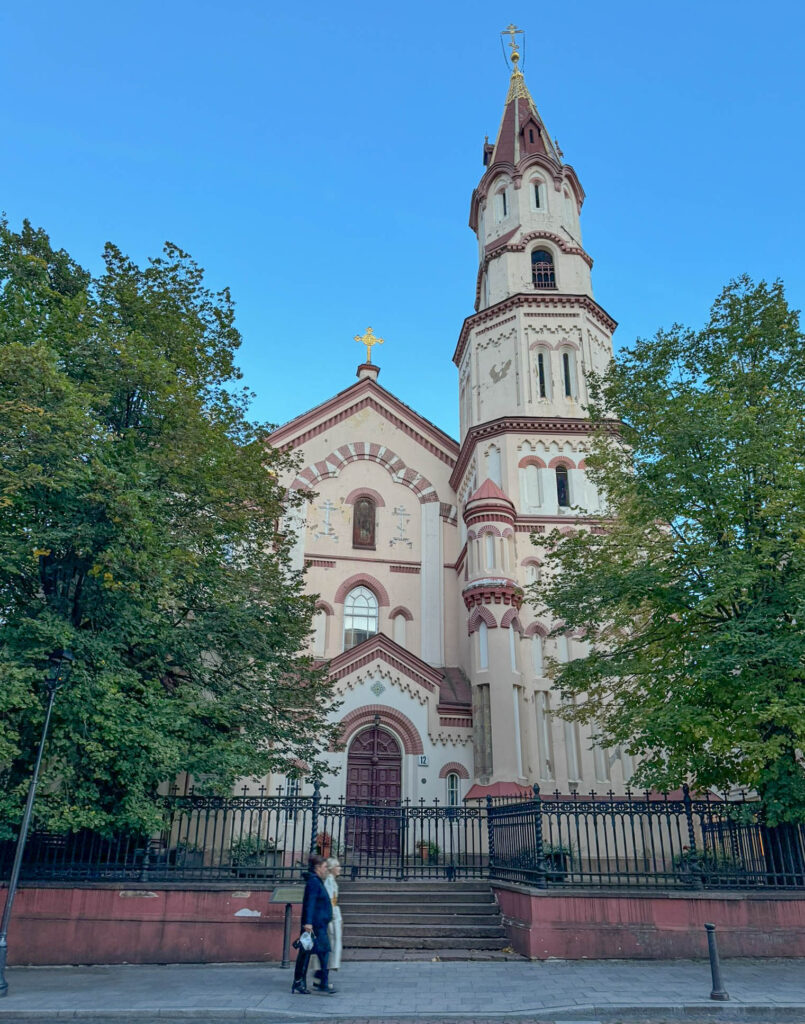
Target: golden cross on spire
513 31
369 340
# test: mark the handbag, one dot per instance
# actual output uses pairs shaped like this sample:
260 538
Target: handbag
305 941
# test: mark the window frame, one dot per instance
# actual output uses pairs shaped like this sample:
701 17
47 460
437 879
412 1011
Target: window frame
350 614
371 544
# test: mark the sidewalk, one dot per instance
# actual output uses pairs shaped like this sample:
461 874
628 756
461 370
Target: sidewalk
545 991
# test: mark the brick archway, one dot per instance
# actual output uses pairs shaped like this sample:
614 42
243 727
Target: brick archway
400 723
332 465
454 766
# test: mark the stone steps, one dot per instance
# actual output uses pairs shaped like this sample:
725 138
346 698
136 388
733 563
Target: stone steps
409 916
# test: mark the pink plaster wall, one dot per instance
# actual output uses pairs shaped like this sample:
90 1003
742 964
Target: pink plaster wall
651 926
141 926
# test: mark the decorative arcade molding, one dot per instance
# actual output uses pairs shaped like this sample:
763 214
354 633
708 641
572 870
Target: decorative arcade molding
399 723
331 466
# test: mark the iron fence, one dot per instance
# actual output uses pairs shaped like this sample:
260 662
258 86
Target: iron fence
648 841
263 839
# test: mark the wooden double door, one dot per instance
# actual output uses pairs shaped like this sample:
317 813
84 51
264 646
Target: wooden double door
374 782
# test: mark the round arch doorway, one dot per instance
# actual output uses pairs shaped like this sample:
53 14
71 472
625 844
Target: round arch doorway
374 782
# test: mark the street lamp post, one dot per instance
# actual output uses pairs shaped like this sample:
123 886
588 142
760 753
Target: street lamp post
60 664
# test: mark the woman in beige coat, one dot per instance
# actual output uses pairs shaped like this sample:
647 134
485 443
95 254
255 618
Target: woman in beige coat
334 929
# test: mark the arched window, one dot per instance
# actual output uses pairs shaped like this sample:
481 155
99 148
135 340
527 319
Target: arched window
493 465
320 633
569 386
360 616
399 630
363 523
536 654
490 551
514 640
502 204
536 194
562 487
542 272
453 789
543 375
483 645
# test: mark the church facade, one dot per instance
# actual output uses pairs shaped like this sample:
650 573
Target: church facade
419 546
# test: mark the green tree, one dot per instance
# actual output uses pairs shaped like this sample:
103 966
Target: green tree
693 596
139 526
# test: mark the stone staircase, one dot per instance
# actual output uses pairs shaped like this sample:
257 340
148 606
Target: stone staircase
407 916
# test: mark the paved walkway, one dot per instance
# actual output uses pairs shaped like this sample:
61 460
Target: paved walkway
545 991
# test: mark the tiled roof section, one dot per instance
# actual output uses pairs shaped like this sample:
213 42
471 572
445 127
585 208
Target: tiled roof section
522 131
478 792
454 689
489 489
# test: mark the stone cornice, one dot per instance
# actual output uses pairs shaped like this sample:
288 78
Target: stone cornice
364 394
514 425
555 300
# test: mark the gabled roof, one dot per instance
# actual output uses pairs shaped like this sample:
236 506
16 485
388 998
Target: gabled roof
367 393
450 684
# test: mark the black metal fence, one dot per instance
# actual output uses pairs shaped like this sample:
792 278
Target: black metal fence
648 841
265 839
651 841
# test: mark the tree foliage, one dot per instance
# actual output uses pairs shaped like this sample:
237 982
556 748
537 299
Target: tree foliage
139 512
693 597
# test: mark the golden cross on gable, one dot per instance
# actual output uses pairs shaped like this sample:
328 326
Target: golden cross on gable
369 340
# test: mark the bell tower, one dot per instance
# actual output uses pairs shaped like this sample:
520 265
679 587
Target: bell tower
523 357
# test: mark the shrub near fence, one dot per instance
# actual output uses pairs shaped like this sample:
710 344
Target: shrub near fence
648 841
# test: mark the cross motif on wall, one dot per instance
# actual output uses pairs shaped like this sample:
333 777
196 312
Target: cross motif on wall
327 508
401 537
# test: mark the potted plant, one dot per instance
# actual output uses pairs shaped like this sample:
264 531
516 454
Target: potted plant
428 851
558 858
253 856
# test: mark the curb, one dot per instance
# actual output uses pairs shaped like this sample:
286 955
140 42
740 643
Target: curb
762 1013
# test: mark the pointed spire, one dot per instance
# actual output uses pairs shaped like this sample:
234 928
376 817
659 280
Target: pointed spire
522 130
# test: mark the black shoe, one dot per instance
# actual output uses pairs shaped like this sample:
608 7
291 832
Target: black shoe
317 975
326 990
300 988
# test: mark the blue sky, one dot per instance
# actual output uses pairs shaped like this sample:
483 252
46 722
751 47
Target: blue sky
319 159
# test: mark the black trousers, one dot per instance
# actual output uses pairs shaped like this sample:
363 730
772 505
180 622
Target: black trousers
321 948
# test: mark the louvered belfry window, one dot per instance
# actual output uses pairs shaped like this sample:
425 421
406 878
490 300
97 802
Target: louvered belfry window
542 270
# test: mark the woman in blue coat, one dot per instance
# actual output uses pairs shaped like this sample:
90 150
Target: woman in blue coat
317 912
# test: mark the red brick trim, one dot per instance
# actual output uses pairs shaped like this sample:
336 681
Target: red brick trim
415 569
510 620
536 627
568 426
453 766
400 610
365 580
561 460
551 300
322 563
364 394
364 492
325 607
454 722
331 466
487 528
481 614
531 460
400 724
